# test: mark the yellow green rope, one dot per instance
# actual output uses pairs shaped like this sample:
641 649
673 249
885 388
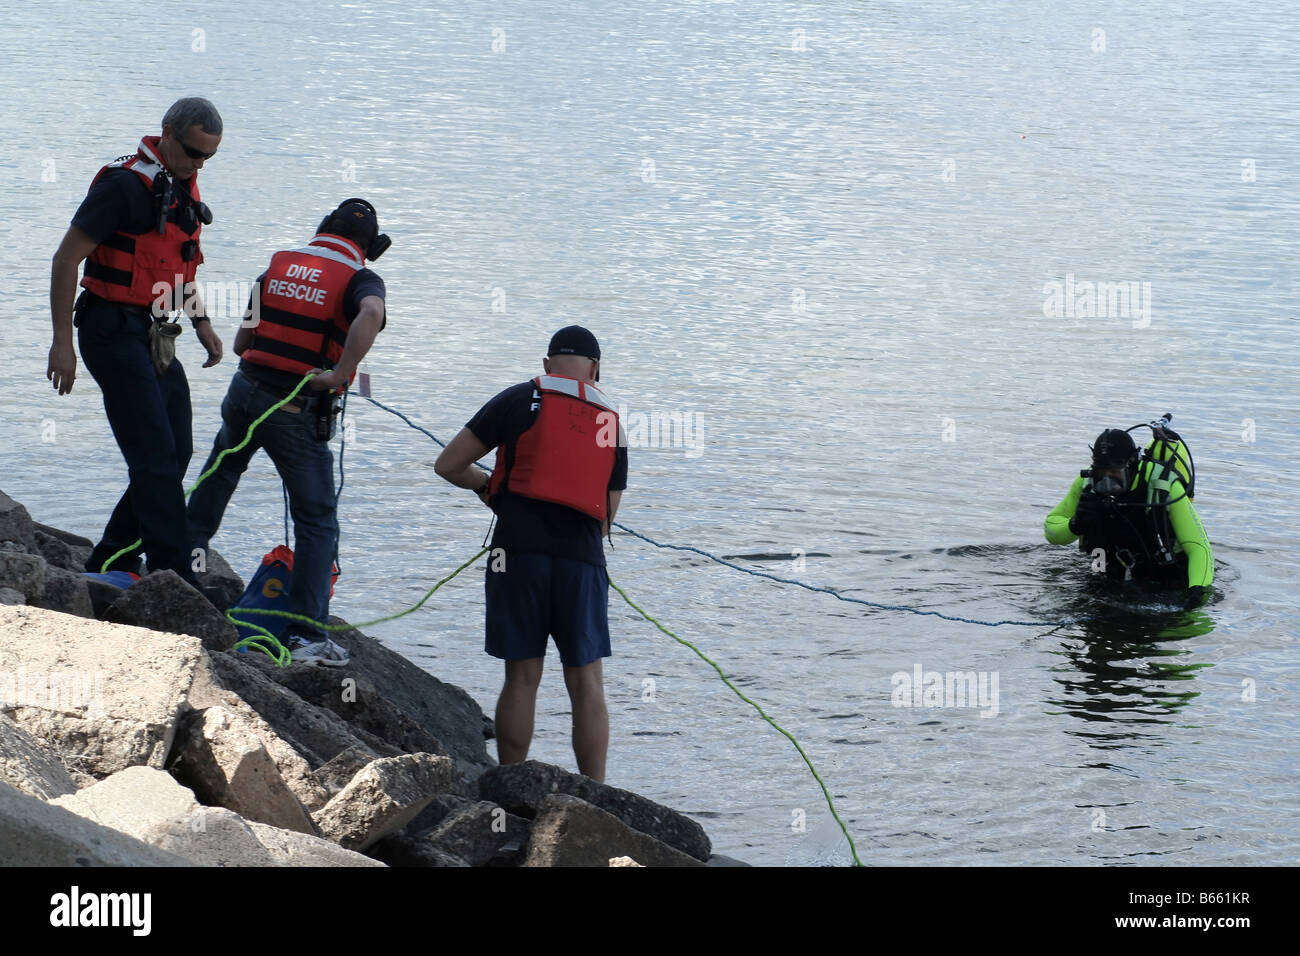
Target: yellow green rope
283 657
226 451
826 793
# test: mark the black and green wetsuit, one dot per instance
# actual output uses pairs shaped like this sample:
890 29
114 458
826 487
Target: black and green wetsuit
1128 535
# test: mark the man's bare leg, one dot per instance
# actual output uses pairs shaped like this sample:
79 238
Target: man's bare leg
590 718
515 706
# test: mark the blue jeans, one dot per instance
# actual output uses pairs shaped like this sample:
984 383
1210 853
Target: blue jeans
150 418
306 466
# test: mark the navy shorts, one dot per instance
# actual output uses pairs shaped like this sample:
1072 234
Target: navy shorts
537 595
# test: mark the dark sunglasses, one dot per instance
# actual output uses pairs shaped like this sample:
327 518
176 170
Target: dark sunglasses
193 153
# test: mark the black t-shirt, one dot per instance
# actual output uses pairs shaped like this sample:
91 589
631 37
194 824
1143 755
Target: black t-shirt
119 202
525 524
363 283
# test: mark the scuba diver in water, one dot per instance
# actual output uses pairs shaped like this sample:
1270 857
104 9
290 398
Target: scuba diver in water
1135 508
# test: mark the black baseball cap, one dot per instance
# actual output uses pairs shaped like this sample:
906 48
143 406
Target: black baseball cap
574 340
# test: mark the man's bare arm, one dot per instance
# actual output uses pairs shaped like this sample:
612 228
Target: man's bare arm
72 251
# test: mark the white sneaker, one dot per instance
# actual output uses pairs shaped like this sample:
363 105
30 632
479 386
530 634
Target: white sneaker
323 652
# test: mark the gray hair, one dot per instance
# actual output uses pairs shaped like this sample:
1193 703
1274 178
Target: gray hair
193 111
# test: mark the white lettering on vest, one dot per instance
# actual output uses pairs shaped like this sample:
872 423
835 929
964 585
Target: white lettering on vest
292 290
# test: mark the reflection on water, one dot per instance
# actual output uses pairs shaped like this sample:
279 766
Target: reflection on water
1127 668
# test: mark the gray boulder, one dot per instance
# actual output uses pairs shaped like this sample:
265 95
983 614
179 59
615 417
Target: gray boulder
314 732
23 572
35 833
67 537
214 836
152 807
523 787
221 578
221 756
10 596
337 772
58 552
382 798
28 766
288 848
16 524
132 800
65 591
354 698
208 691
103 696
439 809
164 602
102 596
403 850
572 832
477 834
450 714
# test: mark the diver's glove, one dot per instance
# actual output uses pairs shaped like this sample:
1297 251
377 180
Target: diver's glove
1195 597
1087 514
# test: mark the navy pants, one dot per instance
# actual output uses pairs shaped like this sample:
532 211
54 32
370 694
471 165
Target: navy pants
306 466
150 418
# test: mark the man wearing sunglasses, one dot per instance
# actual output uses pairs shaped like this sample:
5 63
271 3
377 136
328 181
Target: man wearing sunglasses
138 233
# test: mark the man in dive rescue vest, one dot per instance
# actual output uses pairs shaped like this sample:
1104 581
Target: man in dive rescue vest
314 308
138 232
561 468
1137 510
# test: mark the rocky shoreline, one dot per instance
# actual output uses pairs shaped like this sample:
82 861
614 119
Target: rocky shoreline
132 735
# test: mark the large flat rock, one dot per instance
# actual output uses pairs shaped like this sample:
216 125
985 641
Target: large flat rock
164 602
132 800
221 756
103 696
523 787
35 833
382 798
219 837
571 832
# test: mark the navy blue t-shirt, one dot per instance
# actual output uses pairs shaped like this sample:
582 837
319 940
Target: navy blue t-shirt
119 202
363 283
525 524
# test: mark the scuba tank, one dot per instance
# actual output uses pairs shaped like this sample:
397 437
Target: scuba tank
1163 463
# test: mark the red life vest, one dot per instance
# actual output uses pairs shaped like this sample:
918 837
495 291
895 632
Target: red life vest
301 325
143 269
567 454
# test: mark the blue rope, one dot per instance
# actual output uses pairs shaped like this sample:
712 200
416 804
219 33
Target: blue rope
773 577
832 591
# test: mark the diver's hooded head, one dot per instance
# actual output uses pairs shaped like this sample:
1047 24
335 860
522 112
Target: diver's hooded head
1114 462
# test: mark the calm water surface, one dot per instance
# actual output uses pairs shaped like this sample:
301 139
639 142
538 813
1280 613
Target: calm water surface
824 233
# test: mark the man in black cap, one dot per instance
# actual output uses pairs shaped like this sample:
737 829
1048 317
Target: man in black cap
561 467
314 309
1134 513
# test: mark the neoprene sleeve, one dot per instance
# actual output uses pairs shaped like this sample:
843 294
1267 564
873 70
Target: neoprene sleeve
1193 539
1057 526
